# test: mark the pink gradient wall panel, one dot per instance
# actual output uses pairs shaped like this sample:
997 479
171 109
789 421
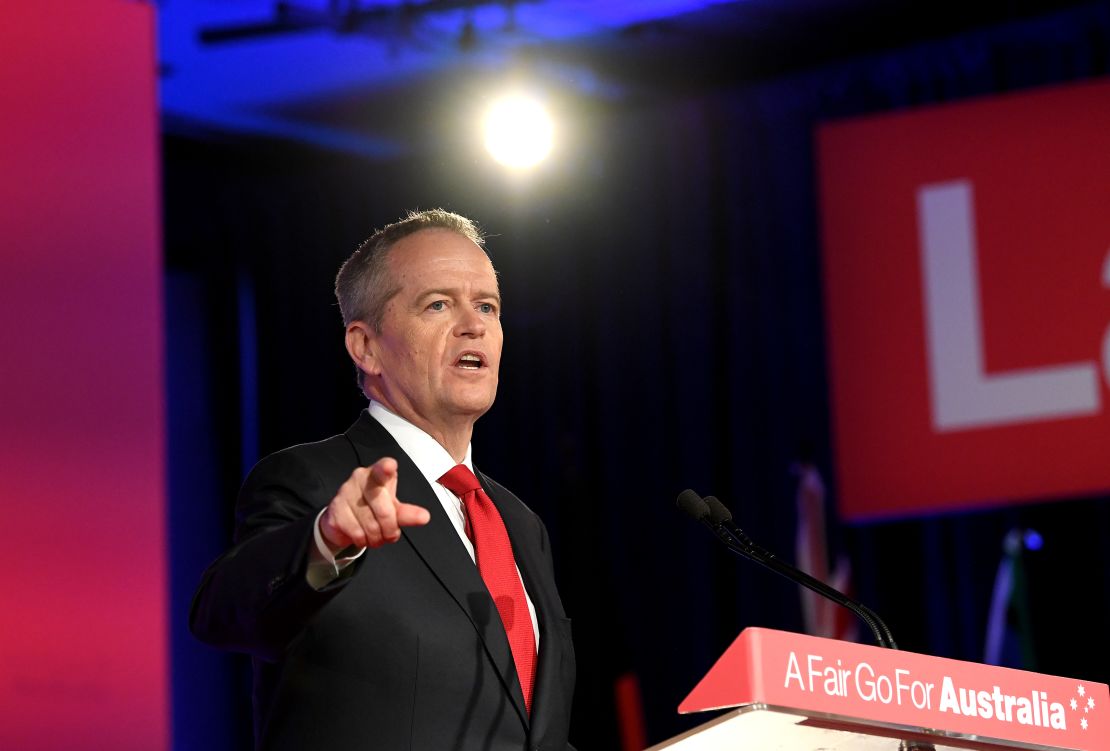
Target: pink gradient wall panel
83 554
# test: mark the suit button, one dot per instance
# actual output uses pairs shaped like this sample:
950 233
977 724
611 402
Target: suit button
275 583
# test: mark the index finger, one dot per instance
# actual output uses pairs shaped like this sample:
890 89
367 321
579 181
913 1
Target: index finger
382 473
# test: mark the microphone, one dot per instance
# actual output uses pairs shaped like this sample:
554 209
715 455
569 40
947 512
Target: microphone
719 514
715 515
693 504
699 509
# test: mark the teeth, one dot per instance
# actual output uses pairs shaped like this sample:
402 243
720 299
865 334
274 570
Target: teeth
470 361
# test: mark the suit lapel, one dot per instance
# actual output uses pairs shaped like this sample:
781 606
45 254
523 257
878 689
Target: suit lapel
438 545
521 526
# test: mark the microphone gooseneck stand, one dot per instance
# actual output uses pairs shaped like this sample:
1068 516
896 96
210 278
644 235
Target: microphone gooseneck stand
716 516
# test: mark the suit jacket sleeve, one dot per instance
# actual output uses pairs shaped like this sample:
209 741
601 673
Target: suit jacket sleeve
255 598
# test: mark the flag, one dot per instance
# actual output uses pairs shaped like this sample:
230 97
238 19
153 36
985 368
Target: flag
1009 640
821 616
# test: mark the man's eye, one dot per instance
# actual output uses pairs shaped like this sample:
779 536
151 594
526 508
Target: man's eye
485 308
438 305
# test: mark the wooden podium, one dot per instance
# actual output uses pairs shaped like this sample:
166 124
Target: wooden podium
791 692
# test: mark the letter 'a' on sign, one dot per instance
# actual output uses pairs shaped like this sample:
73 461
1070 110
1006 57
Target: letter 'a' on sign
963 395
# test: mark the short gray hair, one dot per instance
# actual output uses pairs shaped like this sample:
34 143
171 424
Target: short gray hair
364 284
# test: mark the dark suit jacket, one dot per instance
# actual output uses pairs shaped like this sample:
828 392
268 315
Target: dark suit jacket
406 651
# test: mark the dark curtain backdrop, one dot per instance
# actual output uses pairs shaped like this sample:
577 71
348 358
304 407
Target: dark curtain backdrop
664 330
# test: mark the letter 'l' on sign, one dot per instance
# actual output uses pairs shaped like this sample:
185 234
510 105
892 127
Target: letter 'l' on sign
963 395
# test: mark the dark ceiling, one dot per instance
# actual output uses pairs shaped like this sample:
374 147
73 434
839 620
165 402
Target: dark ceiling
376 77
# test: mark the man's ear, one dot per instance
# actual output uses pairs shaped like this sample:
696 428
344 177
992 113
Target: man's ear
360 341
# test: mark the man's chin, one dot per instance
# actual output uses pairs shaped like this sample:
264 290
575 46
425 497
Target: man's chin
472 405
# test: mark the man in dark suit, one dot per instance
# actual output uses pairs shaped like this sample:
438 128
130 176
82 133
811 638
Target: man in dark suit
353 580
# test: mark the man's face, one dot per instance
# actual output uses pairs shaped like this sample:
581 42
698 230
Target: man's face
435 361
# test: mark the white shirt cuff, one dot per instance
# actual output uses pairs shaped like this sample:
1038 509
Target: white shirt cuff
323 567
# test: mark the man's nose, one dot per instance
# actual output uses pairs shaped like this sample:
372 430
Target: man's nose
470 323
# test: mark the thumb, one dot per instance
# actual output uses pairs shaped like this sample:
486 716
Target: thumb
411 515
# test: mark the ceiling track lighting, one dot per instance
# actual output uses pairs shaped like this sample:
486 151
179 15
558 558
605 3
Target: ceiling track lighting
354 17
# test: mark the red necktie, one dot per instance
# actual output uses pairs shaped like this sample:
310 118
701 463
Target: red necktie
498 569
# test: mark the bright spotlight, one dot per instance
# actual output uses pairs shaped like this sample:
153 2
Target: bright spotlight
518 131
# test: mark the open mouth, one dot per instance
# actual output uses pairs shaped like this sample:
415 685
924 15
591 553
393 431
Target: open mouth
470 361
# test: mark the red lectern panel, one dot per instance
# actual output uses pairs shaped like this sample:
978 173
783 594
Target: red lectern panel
872 691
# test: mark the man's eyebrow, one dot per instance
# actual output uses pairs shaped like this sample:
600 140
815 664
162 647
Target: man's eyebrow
452 292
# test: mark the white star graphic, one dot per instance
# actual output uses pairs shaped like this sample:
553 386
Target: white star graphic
1074 704
1082 690
1083 723
1091 702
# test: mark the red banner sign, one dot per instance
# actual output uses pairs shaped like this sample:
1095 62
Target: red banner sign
869 686
967 282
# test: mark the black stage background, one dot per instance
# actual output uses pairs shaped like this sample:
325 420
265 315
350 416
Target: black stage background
664 330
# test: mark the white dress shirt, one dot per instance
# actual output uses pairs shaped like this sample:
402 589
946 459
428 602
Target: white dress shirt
433 461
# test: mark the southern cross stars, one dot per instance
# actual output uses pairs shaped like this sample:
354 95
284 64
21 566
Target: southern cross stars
1088 705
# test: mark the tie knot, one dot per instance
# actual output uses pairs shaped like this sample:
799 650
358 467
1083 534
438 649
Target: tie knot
460 480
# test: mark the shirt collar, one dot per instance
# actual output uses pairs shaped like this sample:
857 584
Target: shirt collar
430 458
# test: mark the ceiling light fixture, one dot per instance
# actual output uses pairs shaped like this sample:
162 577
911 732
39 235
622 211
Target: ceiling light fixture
518 131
